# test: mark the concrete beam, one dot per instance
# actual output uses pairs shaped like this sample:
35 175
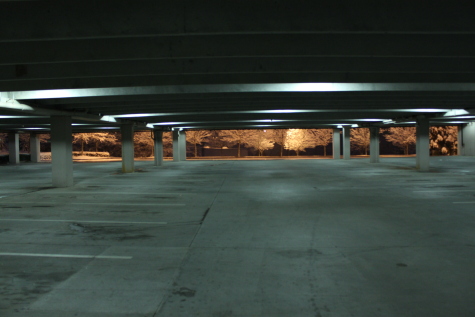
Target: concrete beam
35 148
14 147
242 88
346 142
422 144
374 144
336 144
61 151
289 66
127 132
158 147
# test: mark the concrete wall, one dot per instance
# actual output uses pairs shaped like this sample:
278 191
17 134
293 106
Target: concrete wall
467 142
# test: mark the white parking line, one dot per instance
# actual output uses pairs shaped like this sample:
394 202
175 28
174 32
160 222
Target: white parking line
135 204
107 193
90 221
111 257
102 204
444 190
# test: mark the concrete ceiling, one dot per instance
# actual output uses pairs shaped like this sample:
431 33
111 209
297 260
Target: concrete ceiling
235 64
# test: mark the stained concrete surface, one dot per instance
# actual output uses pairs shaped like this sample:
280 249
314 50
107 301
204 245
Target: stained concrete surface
240 238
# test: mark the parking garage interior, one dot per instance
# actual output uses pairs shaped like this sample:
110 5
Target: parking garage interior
342 237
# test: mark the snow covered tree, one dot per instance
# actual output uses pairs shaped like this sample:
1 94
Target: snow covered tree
143 144
235 137
167 144
24 140
322 137
101 138
401 137
196 137
359 138
443 140
260 140
3 143
82 138
299 139
280 136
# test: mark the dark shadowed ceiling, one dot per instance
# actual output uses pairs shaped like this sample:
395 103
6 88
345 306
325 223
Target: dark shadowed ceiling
235 64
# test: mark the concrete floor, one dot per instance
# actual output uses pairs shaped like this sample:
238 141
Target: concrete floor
240 238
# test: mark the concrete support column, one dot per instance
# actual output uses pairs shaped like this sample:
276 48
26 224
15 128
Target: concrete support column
62 151
466 140
158 147
182 146
336 144
34 148
346 143
176 145
14 147
422 144
460 145
127 132
374 144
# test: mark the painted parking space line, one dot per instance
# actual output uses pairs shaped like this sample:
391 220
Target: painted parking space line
94 204
77 256
134 204
444 190
88 221
107 193
464 202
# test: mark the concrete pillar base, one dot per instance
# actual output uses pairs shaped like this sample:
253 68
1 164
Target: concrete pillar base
374 145
176 145
346 143
158 147
422 144
62 151
35 156
182 146
14 147
336 144
127 131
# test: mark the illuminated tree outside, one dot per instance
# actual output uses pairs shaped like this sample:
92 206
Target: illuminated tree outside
401 137
322 137
236 137
196 137
360 139
102 138
82 138
299 139
143 144
280 136
443 140
260 140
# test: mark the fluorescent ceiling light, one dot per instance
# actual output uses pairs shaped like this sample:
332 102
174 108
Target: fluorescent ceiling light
465 117
169 123
456 112
22 117
13 104
108 119
283 111
138 115
354 125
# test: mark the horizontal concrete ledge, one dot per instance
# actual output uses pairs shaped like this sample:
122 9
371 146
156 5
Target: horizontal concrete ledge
233 88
